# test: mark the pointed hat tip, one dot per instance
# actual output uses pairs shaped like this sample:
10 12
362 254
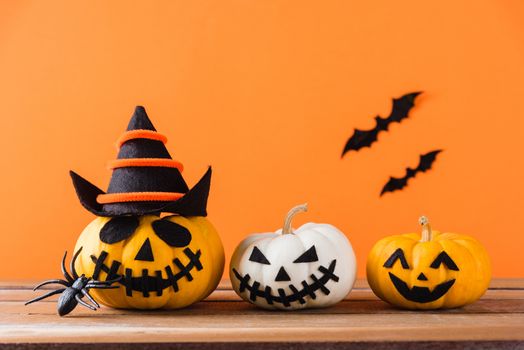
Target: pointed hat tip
140 120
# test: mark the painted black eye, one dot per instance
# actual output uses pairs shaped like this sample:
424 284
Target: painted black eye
258 257
309 255
172 233
397 255
118 228
444 258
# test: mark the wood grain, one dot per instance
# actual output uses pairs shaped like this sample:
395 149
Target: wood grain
361 319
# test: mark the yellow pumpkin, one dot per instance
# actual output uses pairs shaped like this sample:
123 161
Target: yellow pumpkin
168 262
428 271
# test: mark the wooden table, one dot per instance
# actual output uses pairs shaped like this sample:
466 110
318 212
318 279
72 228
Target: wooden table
223 321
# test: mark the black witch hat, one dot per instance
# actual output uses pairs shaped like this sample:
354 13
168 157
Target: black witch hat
145 178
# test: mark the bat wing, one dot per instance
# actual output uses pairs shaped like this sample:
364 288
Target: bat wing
394 184
425 163
362 138
365 138
402 106
426 160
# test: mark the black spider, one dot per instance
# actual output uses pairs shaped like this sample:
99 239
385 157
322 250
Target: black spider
76 288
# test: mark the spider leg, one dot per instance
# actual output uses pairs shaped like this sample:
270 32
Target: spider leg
53 292
108 282
83 303
62 282
88 296
72 268
98 286
64 271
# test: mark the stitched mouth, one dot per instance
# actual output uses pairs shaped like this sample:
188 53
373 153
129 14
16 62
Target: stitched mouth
308 289
420 294
149 283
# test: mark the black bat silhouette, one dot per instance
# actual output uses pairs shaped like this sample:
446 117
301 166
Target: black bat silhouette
425 163
364 138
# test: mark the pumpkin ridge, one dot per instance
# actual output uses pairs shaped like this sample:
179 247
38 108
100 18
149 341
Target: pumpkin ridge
309 272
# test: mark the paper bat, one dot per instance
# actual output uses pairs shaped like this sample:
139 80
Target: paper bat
364 138
425 163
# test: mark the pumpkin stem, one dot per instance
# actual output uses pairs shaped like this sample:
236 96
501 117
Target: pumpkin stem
426 229
289 217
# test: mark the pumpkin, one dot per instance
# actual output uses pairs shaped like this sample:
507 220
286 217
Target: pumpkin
313 266
162 262
428 271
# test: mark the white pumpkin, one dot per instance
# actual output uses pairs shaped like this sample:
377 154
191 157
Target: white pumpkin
311 267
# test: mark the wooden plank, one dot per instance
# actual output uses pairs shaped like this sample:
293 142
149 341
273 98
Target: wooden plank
220 308
269 345
498 318
239 322
507 283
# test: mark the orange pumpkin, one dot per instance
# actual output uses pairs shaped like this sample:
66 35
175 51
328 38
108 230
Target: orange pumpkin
428 271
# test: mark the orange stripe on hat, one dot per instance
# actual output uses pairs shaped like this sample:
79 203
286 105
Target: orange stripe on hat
140 134
145 162
109 198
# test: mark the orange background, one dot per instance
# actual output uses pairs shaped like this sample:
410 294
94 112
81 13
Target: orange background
268 93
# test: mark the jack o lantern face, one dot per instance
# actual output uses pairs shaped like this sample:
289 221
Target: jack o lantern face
287 289
166 262
310 267
174 235
430 270
420 294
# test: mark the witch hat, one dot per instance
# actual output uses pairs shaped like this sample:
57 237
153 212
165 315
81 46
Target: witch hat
145 178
